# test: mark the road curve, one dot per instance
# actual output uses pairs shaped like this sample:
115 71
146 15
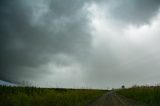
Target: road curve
112 99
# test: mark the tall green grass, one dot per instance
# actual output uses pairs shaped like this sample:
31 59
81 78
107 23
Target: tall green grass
145 94
31 96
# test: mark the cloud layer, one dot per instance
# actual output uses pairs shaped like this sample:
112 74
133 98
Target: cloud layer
80 43
33 33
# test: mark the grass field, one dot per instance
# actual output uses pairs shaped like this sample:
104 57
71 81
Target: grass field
145 94
31 96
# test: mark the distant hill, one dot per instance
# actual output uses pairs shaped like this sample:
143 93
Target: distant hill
7 83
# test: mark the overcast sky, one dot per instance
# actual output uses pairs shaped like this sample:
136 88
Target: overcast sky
80 43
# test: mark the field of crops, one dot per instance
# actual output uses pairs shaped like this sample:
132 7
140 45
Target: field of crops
145 94
31 96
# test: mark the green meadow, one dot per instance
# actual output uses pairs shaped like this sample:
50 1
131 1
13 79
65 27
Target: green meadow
146 94
32 96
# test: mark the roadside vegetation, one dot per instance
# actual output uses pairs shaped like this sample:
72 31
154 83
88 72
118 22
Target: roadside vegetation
31 96
146 94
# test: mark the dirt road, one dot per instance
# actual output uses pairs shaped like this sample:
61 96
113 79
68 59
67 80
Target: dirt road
112 99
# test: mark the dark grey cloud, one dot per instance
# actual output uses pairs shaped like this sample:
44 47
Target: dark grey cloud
132 11
32 32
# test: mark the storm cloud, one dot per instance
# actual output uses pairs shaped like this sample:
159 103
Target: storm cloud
77 43
131 11
33 32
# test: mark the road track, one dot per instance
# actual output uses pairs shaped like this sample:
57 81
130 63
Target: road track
112 99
